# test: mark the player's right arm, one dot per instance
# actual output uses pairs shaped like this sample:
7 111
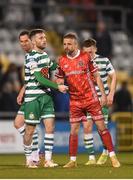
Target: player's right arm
59 80
42 77
46 82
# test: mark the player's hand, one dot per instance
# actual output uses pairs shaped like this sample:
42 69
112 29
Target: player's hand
103 100
60 81
20 98
62 88
109 100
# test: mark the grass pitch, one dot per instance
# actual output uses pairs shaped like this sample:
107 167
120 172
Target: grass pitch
12 166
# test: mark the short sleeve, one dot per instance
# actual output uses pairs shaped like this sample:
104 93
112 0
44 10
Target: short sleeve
92 66
59 73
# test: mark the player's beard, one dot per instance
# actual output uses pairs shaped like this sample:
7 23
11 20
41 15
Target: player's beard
69 52
43 47
25 48
72 53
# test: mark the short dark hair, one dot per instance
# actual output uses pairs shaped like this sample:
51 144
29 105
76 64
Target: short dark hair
89 42
71 35
24 32
33 32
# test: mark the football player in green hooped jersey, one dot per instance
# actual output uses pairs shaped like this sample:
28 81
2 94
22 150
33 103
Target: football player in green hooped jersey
19 124
38 101
106 70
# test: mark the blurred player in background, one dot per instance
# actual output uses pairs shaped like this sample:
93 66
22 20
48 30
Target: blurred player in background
19 124
106 70
38 103
77 67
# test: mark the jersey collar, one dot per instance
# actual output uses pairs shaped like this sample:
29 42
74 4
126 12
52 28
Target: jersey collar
78 52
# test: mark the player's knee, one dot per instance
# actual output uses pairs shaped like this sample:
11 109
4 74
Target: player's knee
49 129
101 127
74 131
16 124
87 130
19 121
49 125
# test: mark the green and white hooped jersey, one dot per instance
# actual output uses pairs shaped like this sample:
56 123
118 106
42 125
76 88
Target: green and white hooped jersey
105 68
35 61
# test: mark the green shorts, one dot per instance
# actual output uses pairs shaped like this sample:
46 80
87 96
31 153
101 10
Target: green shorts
21 109
105 111
40 108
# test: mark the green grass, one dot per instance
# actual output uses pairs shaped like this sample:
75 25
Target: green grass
11 167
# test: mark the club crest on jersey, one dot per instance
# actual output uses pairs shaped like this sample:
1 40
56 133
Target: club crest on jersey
80 63
31 116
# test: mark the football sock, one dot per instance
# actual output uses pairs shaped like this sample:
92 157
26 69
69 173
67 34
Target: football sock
88 141
21 130
106 138
28 151
48 143
73 146
105 151
35 153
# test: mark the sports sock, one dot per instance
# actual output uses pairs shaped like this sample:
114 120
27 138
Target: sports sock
106 138
105 151
73 146
28 151
111 154
21 130
35 153
73 158
48 143
88 141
